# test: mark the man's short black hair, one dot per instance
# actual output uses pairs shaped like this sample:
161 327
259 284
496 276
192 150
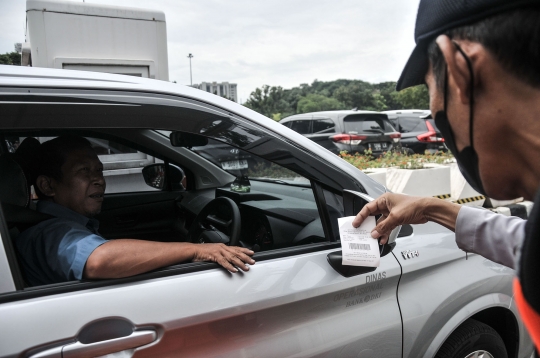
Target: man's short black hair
512 37
54 153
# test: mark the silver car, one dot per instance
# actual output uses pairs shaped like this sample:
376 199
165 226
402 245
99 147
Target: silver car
427 298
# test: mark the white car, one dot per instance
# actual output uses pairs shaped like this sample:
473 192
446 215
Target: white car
427 298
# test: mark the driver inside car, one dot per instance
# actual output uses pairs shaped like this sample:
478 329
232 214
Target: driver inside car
71 187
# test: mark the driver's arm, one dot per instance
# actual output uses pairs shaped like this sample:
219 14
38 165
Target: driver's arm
128 257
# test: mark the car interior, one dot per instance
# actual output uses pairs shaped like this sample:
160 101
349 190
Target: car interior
173 186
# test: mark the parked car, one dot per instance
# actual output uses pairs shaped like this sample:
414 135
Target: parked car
353 131
298 300
418 130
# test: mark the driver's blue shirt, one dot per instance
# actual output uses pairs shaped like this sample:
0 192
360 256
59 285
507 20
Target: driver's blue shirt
56 250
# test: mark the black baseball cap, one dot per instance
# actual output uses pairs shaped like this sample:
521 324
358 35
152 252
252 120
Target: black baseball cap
437 16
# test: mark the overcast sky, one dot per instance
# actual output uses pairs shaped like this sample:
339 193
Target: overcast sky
274 42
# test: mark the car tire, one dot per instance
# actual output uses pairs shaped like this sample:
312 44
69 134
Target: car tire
473 339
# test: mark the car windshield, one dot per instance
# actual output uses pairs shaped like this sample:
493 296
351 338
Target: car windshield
240 163
361 123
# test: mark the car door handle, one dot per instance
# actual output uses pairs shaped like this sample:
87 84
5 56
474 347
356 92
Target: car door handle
134 340
80 350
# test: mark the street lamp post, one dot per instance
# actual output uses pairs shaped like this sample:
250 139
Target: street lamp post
190 56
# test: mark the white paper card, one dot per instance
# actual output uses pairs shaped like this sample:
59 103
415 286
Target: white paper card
357 246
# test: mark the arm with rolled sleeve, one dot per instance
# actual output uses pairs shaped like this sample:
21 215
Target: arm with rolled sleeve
491 235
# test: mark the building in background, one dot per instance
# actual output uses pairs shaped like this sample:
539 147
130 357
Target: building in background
223 89
94 37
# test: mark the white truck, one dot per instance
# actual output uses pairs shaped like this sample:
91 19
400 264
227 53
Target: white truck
91 37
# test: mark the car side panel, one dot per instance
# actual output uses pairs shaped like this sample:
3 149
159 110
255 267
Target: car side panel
289 307
443 285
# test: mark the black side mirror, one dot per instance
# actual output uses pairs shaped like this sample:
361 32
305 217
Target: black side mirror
160 175
354 201
187 140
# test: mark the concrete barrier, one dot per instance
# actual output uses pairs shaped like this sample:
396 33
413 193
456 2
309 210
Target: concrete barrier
377 174
421 182
461 190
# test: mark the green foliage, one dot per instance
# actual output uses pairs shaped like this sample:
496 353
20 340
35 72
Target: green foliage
413 97
270 170
396 159
317 102
268 101
361 95
276 102
10 58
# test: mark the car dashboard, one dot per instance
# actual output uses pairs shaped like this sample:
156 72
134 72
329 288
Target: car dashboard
273 215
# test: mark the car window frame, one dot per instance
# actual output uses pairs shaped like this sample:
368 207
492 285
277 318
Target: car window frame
329 181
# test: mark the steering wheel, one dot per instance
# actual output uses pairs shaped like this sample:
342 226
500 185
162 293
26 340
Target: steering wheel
208 227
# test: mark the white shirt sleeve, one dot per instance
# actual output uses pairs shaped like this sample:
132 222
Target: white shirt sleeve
491 235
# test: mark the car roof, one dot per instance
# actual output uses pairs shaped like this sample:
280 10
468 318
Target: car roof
328 114
18 76
394 114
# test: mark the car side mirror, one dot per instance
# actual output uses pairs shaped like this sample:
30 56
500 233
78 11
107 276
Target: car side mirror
162 176
354 201
187 140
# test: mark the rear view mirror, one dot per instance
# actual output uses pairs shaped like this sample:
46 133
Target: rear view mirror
187 140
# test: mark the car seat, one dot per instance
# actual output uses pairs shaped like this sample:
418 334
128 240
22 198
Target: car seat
15 199
17 174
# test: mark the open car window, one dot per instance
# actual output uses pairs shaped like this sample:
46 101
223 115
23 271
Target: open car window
283 213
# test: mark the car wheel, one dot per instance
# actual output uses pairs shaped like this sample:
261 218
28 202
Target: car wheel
473 339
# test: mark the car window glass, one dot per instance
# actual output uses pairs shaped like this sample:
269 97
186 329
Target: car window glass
323 126
388 127
301 127
122 165
287 124
240 163
432 122
371 123
412 124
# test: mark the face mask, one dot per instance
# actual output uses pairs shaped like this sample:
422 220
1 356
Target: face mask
467 159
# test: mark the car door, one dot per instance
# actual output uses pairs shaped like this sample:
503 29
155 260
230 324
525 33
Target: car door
289 306
290 303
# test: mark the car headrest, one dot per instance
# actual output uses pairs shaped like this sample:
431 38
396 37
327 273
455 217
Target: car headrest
14 187
27 155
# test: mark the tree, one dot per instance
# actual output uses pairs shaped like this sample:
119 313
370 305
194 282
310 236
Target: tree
416 97
269 101
361 95
316 102
10 58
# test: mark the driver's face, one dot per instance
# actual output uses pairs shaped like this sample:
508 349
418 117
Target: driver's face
82 186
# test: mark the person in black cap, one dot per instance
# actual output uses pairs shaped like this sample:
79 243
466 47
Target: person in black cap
481 62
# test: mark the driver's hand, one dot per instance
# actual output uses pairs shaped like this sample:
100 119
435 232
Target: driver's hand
229 257
396 209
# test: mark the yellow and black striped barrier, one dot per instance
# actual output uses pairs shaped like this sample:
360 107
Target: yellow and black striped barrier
443 196
460 201
469 200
